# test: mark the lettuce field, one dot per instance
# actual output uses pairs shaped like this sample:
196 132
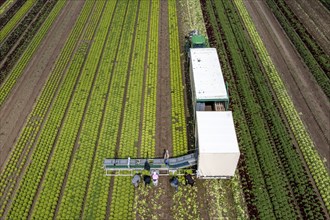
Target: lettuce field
81 81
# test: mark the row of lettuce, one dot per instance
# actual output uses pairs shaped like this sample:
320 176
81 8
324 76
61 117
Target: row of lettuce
90 109
6 5
14 65
13 16
306 145
48 113
25 142
19 38
92 112
274 179
313 54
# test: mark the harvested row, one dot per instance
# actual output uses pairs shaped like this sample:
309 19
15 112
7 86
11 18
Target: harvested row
5 30
230 203
314 162
16 72
37 117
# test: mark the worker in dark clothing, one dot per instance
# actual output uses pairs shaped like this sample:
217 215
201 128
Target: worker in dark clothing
147 165
146 179
188 179
136 180
174 183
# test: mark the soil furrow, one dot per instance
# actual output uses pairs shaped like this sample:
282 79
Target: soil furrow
163 111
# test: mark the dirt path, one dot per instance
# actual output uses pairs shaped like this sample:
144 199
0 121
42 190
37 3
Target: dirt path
315 18
163 112
20 102
307 96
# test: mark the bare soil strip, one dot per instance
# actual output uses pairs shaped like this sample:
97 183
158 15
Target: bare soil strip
163 111
307 96
164 108
316 20
14 111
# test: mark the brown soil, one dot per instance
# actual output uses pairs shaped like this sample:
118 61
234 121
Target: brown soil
316 18
163 111
14 111
307 96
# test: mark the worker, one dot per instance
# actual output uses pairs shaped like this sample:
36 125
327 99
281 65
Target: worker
146 179
147 165
155 177
136 180
166 157
188 179
174 183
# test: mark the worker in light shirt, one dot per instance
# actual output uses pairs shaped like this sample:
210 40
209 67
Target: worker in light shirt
155 177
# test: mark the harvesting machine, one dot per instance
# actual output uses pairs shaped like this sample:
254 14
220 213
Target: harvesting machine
216 153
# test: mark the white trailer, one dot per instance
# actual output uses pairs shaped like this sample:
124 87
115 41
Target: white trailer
218 151
207 83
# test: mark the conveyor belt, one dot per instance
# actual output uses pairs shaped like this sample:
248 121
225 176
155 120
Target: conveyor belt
177 163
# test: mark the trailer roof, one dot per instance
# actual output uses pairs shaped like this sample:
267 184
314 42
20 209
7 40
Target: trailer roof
207 75
216 132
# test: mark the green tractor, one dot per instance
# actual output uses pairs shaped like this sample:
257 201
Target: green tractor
195 40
